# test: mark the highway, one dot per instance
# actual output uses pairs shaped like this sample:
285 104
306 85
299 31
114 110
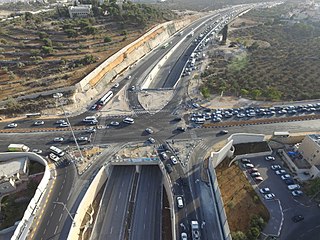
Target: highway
146 220
113 207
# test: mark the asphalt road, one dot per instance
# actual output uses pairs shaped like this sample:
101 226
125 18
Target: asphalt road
114 205
146 220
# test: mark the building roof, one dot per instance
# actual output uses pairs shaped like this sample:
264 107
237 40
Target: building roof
315 138
13 166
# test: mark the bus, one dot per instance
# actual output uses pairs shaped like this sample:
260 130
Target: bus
281 134
56 151
18 148
105 98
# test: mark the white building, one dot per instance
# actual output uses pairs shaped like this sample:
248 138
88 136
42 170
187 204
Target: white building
310 149
80 11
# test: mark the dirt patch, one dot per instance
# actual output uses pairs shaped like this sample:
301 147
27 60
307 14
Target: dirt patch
240 200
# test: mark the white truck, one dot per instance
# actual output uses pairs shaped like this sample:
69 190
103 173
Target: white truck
18 148
195 230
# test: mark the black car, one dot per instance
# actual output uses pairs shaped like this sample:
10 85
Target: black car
181 129
177 119
297 218
169 168
223 132
289 181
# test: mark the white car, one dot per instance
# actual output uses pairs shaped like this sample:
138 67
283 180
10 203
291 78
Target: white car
38 123
150 139
294 187
173 160
269 158
83 139
286 176
149 130
58 139
296 193
280 172
91 130
54 157
38 151
248 165
255 174
180 202
128 120
12 125
164 155
60 121
275 167
64 124
116 85
269 196
264 190
184 236
114 123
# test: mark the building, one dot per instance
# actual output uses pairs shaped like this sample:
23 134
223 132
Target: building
12 172
310 149
80 11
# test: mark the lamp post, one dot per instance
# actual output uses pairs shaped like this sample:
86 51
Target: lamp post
59 96
65 207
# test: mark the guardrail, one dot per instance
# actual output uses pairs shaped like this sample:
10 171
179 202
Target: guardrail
26 130
24 226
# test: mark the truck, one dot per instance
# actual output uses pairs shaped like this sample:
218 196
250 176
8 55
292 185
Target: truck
18 148
195 230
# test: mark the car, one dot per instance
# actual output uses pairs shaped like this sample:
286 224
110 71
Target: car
58 139
245 160
195 105
64 124
297 193
264 190
286 176
114 123
116 85
169 168
93 122
255 174
181 129
133 88
297 218
149 130
83 139
174 160
289 181
54 157
179 202
184 236
12 125
269 158
248 165
223 132
280 172
258 179
150 139
269 196
93 107
252 170
128 120
294 187
60 121
91 130
164 155
129 77
38 123
177 119
38 151
275 167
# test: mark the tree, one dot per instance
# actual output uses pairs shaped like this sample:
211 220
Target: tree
238 235
71 33
107 39
46 49
89 30
47 42
253 233
28 16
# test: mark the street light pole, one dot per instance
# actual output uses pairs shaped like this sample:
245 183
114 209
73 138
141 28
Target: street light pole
58 96
65 207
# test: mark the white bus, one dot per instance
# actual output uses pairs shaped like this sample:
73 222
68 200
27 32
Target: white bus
56 151
105 98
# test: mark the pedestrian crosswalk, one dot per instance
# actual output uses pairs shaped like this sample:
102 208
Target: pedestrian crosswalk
143 111
203 146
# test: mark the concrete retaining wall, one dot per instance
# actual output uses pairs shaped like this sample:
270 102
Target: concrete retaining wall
246 138
24 225
87 200
217 157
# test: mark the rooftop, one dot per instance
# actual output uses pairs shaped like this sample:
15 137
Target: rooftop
315 138
11 167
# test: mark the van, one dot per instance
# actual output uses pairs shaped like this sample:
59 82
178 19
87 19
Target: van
128 120
180 202
90 119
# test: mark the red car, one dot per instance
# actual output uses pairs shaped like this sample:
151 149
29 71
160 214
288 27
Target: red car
252 170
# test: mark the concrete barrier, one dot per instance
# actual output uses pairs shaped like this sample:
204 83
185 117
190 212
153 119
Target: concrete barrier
23 228
87 200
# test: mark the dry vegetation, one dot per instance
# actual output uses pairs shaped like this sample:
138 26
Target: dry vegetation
241 201
48 50
279 59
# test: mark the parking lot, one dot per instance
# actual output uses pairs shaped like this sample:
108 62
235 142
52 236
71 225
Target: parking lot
282 206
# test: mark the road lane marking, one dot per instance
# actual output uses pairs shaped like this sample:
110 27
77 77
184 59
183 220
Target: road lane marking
48 222
55 231
51 214
119 195
111 230
117 208
60 217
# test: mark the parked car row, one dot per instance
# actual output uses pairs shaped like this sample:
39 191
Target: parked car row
254 173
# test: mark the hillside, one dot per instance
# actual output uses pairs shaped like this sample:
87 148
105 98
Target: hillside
50 50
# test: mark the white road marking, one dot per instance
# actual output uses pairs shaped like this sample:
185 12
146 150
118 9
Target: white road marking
60 217
111 230
48 222
55 231
119 195
116 208
51 214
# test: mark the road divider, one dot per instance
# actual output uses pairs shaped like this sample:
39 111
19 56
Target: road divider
30 130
